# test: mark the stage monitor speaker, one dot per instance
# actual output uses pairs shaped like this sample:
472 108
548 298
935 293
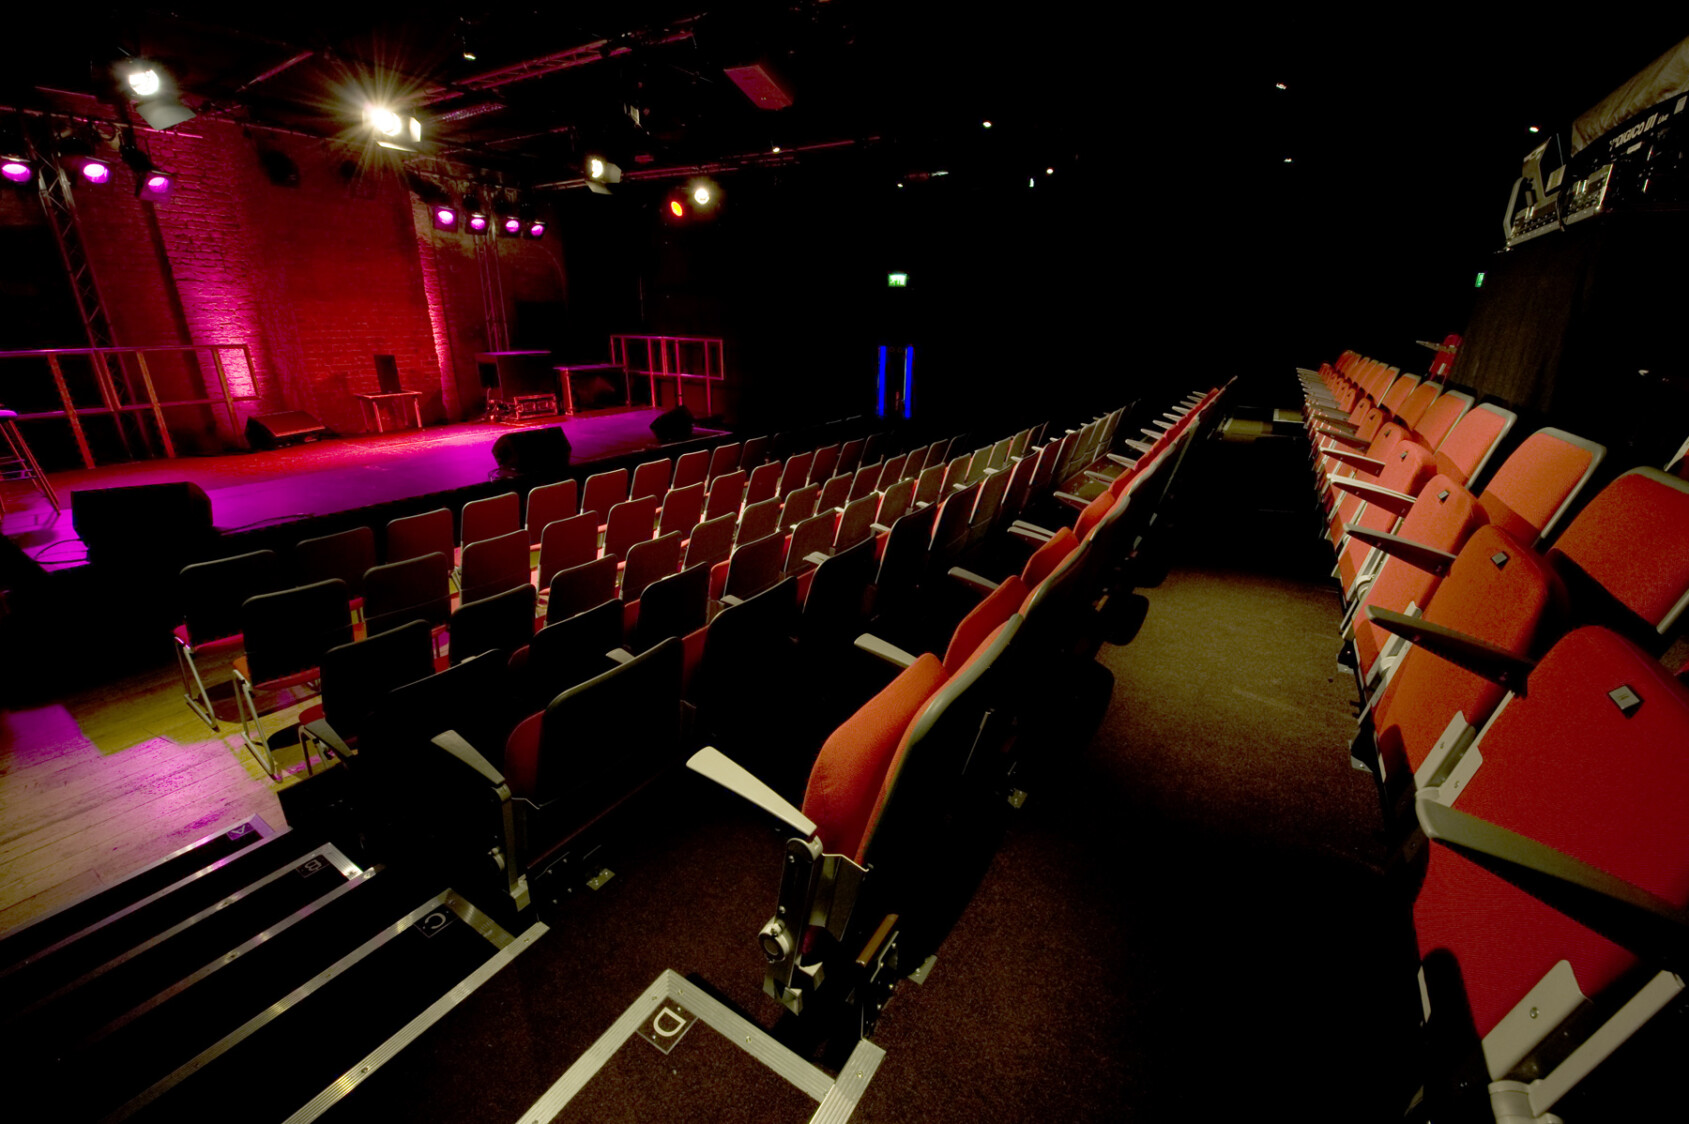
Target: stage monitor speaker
166 525
267 431
533 452
675 425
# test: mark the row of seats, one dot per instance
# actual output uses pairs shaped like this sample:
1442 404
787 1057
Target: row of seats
1506 642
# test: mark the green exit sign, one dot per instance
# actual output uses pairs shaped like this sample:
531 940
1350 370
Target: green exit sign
1479 284
897 280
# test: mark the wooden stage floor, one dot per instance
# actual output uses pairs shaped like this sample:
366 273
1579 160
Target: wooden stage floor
255 489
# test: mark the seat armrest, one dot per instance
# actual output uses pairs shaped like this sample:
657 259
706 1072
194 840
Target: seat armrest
817 556
1336 437
325 735
1030 532
1417 555
1099 477
1123 462
1621 911
885 650
1400 503
729 774
452 743
1354 460
1480 657
879 528
620 655
1141 446
977 582
1078 503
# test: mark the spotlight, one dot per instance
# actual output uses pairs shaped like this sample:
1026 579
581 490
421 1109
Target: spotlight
478 223
985 124
154 92
17 170
95 170
704 194
510 226
152 183
534 229
445 218
595 168
383 120
677 208
701 196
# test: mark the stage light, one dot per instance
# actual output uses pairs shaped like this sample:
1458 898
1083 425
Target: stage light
510 226
95 170
775 150
534 229
154 93
152 183
1534 129
677 208
445 218
985 124
701 196
595 168
1049 171
478 223
383 120
1281 86
16 169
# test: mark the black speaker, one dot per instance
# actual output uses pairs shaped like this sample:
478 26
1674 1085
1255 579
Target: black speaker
675 425
268 431
533 452
168 523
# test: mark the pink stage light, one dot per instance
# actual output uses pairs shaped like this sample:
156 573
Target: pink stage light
478 224
513 225
445 216
156 182
95 171
17 171
536 230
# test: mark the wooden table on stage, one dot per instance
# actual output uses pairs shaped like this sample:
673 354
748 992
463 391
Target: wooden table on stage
370 404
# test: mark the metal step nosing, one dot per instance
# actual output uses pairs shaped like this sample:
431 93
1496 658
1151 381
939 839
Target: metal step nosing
259 1021
375 1059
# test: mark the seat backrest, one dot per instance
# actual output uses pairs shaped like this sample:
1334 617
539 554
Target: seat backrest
954 473
711 541
982 620
724 459
288 631
683 508
415 535
903 562
1020 486
834 493
580 588
673 605
812 535
850 455
927 774
849 772
764 483
1440 418
1497 592
759 519
690 469
629 522
491 517
875 449
651 479
857 523
550 502
415 589
928 485
825 461
755 566
1630 544
895 501
950 532
494 565
568 542
727 494
742 642
800 505
647 561
602 739
212 593
1538 482
1590 762
934 456
987 505
890 473
756 448
357 676
345 555
1467 448
795 474
603 491
1000 453
864 482
470 697
502 622
1413 409
570 650
833 610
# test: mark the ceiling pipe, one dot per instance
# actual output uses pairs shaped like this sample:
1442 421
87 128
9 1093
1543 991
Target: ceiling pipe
567 59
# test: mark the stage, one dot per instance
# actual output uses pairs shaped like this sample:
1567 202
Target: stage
318 486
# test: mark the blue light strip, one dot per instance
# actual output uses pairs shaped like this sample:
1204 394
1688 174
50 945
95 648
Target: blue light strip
908 380
881 410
